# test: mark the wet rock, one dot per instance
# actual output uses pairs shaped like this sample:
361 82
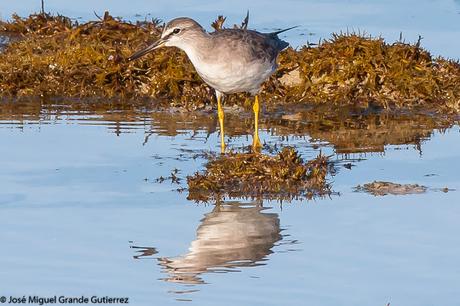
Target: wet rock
292 78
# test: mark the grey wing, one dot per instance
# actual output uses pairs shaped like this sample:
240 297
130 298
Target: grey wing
251 45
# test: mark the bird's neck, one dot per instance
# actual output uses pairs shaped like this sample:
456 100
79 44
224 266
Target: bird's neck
196 47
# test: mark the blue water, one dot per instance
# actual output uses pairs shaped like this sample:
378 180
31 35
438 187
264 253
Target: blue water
75 198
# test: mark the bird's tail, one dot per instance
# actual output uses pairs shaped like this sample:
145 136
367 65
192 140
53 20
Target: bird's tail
284 30
281 44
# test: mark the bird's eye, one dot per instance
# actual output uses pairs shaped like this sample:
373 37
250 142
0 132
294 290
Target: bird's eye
176 31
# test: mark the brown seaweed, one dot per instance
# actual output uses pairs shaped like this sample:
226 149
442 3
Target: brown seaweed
379 188
60 58
252 175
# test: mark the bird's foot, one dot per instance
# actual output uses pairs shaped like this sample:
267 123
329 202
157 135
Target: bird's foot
256 145
222 148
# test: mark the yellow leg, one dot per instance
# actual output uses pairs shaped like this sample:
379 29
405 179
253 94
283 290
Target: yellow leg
256 145
220 112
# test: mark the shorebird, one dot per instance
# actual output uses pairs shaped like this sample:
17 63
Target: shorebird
228 60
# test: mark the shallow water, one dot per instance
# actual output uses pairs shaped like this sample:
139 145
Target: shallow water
83 213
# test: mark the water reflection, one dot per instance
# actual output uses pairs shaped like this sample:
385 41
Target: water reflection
230 237
144 252
362 131
346 130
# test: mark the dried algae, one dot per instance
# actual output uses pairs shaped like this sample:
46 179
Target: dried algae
60 58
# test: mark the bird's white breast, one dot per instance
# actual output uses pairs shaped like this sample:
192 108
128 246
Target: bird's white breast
231 76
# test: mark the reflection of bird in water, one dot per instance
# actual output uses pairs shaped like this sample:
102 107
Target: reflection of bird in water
229 60
229 237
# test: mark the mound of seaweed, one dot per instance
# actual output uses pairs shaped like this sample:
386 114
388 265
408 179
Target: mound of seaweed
37 24
88 60
251 175
364 71
60 58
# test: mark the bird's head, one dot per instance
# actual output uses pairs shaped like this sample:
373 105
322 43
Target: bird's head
176 33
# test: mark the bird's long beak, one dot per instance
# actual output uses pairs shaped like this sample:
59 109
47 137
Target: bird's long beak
158 44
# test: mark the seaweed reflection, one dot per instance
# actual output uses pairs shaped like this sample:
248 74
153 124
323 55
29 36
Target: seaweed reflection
347 130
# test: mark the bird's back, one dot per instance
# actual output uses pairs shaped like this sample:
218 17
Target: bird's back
249 45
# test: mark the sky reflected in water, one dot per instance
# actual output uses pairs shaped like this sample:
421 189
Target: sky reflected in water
80 201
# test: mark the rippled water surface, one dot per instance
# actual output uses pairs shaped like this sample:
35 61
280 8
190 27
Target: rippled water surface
83 212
